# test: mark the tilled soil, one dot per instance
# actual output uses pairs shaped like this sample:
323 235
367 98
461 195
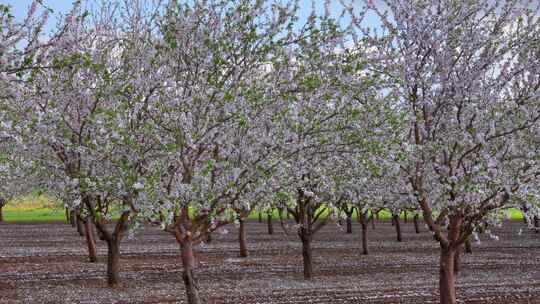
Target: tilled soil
47 263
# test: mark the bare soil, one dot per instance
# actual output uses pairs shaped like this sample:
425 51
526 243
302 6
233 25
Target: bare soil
47 263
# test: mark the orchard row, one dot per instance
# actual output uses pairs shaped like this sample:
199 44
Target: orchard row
191 115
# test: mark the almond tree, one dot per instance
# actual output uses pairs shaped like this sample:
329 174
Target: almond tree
76 115
362 190
327 104
310 112
22 47
466 73
253 198
208 120
366 177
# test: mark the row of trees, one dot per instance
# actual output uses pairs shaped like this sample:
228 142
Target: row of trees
189 115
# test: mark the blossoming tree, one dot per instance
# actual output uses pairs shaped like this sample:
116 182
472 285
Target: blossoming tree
466 73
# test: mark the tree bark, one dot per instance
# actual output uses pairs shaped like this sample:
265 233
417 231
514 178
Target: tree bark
260 217
269 223
398 227
457 261
372 221
416 225
242 238
307 255
72 219
3 202
468 245
113 257
90 241
112 238
349 222
80 225
68 219
447 277
365 250
188 262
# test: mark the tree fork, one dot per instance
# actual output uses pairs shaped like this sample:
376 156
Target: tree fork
113 240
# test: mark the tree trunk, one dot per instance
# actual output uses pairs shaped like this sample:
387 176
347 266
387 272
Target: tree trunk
468 245
365 250
307 256
269 223
113 256
457 261
188 262
416 225
398 228
3 202
405 218
537 224
80 225
90 241
242 238
447 277
72 219
372 221
349 222
260 217
68 219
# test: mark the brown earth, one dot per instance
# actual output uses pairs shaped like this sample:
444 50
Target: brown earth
47 263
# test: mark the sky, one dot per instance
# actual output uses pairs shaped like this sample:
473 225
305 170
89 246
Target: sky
19 8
